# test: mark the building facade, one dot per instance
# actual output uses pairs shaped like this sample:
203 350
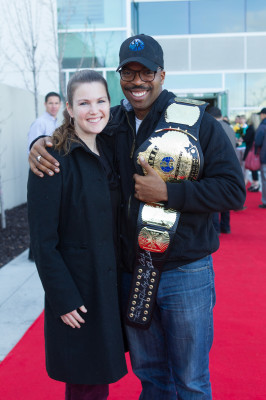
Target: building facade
214 49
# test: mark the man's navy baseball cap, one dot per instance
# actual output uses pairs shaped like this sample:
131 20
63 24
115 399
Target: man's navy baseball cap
262 111
142 49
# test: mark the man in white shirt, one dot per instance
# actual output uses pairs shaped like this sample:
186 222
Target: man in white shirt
47 122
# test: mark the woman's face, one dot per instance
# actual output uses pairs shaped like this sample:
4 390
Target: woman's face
91 108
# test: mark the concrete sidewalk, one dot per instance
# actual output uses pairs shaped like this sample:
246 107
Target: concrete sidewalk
21 300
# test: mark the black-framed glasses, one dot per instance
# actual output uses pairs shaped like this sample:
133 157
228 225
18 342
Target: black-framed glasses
145 75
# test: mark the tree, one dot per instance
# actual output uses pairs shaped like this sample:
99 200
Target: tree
60 40
24 25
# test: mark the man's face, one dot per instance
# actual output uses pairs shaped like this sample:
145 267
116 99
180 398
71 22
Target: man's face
52 105
262 116
142 95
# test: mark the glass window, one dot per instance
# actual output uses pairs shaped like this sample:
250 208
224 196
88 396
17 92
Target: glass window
90 49
235 84
216 16
135 17
216 53
256 15
91 14
255 57
113 80
163 18
175 54
197 81
256 89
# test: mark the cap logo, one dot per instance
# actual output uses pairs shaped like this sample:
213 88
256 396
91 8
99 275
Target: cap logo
136 45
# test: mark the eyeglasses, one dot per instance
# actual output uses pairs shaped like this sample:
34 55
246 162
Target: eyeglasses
145 75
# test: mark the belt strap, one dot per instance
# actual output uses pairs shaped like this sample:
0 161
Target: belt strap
156 228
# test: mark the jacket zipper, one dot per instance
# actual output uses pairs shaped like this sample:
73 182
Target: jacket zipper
128 206
134 137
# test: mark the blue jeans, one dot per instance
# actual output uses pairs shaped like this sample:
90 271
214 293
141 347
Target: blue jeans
171 358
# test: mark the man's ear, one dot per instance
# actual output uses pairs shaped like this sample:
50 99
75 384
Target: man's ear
162 76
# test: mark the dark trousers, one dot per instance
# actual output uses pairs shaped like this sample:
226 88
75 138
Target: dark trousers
255 175
86 392
221 221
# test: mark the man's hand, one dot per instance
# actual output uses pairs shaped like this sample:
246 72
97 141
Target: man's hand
73 318
46 162
150 188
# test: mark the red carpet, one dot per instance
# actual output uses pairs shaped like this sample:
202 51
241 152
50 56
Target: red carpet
238 357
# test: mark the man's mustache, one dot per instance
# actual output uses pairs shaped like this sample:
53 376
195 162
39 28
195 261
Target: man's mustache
137 87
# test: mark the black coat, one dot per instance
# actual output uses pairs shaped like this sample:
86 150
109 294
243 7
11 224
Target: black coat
71 228
249 139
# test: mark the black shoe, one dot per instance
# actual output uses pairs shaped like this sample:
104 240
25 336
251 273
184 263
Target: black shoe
254 188
225 230
262 206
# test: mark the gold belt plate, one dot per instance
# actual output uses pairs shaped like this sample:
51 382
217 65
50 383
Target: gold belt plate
155 214
153 240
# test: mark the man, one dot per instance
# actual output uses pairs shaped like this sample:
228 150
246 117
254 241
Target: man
47 122
222 222
260 144
170 355
217 114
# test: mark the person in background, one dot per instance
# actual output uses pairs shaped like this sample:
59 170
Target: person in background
73 219
47 123
240 128
226 119
221 220
260 144
253 123
170 355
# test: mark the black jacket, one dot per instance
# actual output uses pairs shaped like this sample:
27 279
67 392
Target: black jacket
260 141
249 139
71 228
220 188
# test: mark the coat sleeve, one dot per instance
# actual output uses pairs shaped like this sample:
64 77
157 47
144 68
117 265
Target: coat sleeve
221 186
44 198
259 137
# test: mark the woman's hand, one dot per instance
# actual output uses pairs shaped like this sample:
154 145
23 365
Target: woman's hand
41 160
73 318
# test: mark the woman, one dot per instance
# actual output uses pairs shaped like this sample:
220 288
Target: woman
249 138
73 244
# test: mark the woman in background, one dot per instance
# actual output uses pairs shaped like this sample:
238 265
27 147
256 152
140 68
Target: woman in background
253 123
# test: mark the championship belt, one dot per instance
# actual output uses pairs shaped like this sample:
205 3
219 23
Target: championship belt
173 150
